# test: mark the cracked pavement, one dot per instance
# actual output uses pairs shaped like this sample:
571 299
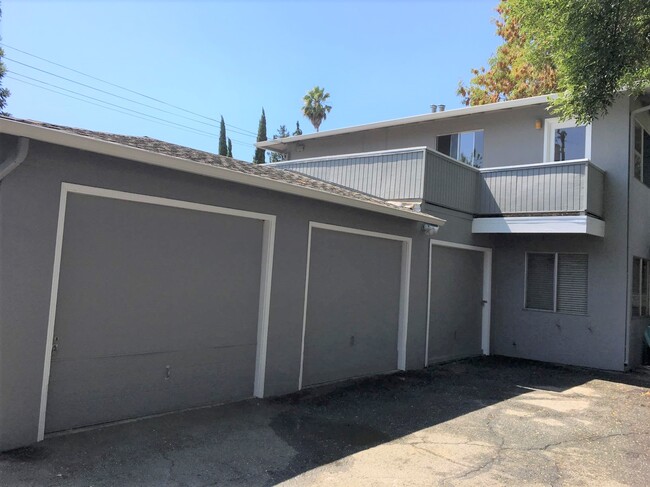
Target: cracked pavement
487 421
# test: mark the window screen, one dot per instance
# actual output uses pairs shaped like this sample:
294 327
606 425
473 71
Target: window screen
540 281
572 283
636 287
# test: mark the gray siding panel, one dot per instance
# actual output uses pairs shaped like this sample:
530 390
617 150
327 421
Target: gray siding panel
450 183
552 188
390 175
595 190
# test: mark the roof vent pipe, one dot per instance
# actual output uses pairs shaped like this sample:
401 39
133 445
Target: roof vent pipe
434 108
441 108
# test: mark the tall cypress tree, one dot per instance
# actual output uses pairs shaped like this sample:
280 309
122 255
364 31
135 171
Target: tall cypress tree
223 147
260 154
4 92
229 147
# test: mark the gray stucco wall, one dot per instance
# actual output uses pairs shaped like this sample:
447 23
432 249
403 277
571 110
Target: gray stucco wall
639 247
29 201
596 340
512 139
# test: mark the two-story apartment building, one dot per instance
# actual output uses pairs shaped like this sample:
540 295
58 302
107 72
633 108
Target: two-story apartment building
140 277
564 209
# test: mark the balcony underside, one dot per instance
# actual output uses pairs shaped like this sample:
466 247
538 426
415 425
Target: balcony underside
570 224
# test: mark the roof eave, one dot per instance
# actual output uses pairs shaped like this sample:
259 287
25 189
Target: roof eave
113 149
281 144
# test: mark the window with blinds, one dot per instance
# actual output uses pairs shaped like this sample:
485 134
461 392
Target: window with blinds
640 287
557 282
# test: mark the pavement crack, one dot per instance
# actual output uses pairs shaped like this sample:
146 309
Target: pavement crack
429 452
587 439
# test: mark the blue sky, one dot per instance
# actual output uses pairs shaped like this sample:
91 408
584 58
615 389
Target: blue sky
378 60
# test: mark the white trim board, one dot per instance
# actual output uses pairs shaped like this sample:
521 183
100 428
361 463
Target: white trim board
579 224
404 288
487 293
265 282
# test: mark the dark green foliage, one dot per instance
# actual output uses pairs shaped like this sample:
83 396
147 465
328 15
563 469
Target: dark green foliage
281 134
229 154
260 154
598 47
314 107
223 146
4 92
298 130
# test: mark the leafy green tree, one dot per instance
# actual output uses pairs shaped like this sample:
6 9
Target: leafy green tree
260 154
599 48
223 145
510 74
281 133
298 130
314 107
229 154
4 92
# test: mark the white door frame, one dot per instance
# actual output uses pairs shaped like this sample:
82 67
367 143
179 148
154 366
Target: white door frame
265 281
487 292
404 288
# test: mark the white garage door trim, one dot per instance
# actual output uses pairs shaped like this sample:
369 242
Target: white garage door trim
404 288
265 282
487 292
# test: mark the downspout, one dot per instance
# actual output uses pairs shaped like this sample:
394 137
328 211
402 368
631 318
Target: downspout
630 164
15 158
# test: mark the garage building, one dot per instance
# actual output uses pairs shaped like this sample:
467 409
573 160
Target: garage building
138 277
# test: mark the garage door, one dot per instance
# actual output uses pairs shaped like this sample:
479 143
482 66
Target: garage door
456 304
157 310
353 306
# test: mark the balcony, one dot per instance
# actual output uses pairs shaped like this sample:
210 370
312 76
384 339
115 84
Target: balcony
558 197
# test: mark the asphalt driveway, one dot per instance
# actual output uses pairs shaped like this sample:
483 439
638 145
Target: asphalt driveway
486 421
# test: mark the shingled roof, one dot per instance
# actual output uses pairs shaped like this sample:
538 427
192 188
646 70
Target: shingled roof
187 153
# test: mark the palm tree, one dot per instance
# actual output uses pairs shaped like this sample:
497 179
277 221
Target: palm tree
314 108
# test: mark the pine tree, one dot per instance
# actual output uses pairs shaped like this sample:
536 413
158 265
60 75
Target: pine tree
229 147
281 134
298 130
260 154
223 147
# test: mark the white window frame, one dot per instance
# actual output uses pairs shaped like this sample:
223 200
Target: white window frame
456 157
551 125
634 151
555 275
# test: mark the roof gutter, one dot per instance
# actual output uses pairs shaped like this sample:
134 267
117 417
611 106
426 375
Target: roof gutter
113 149
15 159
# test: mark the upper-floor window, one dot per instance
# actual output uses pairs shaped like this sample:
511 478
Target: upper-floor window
465 147
566 141
641 153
